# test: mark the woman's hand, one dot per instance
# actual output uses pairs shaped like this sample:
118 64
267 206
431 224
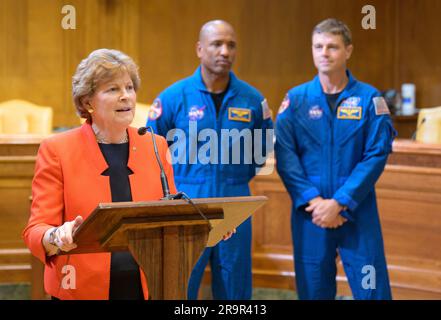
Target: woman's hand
62 237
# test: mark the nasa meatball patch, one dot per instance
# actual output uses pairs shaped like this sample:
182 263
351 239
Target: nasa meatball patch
155 110
284 105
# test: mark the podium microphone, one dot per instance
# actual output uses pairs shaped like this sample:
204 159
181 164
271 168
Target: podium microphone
165 187
163 177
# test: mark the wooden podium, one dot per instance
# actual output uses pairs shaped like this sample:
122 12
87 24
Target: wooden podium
166 237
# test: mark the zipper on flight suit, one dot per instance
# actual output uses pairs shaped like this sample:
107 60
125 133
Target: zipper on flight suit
210 104
331 158
219 118
332 184
333 111
218 126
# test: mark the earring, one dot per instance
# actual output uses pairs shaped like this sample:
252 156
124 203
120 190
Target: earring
90 110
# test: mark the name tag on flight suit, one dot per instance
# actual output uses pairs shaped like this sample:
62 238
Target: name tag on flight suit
349 113
239 114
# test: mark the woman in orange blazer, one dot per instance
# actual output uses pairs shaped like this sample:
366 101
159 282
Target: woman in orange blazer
104 160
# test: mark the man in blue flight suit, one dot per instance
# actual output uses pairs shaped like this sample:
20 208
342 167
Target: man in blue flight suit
213 100
334 135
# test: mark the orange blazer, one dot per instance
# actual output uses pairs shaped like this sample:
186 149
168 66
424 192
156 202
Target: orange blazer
68 182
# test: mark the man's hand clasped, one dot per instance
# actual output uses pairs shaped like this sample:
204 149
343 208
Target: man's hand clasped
326 213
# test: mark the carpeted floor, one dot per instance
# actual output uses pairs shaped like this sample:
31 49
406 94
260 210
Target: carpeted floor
258 294
15 292
22 292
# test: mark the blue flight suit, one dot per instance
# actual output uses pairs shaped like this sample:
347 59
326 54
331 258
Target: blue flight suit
336 154
188 105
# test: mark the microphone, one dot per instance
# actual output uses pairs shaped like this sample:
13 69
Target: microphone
165 187
142 131
164 182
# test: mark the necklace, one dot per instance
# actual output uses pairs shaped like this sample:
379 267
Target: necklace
101 139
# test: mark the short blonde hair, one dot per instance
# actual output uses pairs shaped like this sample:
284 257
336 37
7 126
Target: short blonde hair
335 27
100 66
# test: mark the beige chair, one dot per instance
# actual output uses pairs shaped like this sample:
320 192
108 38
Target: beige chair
23 117
429 125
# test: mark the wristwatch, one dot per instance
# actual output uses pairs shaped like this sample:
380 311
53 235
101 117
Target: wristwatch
52 237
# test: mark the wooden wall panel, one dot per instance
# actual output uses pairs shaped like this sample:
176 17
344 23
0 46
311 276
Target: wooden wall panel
38 57
17 161
271 215
277 55
409 200
419 46
13 35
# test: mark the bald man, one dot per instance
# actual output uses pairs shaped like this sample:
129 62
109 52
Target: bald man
215 125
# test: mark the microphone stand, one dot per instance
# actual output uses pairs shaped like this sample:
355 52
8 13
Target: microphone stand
164 181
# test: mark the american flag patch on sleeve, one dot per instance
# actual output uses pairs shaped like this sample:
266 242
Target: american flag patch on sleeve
380 106
266 111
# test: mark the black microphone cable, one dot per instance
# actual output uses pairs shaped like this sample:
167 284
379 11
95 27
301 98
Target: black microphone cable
188 199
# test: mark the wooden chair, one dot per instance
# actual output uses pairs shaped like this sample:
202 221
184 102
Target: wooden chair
23 117
429 125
